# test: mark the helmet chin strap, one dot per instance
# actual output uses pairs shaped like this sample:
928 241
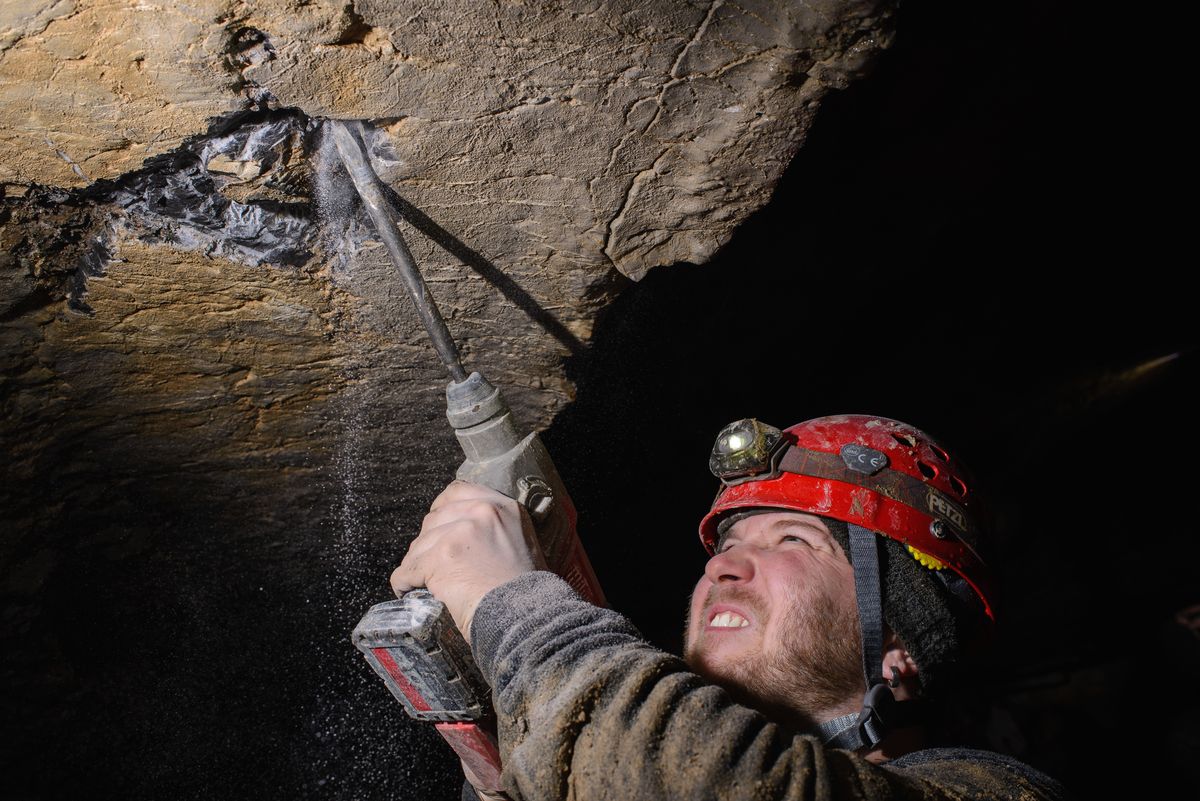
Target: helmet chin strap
881 712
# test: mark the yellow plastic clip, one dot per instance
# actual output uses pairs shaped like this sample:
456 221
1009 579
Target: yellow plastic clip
926 560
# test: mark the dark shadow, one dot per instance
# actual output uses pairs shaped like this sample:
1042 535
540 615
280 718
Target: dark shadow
38 298
963 243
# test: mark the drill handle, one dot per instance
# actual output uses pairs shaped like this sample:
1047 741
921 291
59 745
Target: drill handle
500 456
526 474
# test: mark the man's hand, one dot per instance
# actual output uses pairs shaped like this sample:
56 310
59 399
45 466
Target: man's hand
473 540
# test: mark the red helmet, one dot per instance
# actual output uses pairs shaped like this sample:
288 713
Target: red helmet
873 472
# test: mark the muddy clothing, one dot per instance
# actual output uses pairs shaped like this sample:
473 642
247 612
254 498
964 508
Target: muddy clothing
588 710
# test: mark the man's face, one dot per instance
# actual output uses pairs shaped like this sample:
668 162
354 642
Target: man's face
774 619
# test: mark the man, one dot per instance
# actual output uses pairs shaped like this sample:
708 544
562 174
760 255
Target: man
847 588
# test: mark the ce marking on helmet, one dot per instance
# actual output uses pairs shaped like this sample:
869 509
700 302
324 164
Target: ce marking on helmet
862 459
940 506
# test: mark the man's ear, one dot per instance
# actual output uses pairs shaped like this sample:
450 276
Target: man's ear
899 667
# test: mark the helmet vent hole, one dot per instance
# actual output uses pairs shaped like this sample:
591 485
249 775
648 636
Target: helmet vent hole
958 485
927 470
905 440
941 454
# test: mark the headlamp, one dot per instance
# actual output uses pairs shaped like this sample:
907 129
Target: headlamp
744 450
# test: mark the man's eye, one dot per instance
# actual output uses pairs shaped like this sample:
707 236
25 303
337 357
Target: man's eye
793 538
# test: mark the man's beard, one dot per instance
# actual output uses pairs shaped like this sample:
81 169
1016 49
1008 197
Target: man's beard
812 672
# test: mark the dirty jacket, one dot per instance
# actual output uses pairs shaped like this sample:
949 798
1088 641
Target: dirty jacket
587 710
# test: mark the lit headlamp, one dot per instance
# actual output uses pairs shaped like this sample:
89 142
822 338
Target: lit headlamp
746 449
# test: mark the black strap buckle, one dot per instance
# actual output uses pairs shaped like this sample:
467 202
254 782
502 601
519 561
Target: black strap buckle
878 704
882 714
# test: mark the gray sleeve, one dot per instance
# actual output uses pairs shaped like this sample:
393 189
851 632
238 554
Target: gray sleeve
587 709
585 706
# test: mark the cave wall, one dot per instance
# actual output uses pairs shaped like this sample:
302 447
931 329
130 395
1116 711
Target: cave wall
221 418
554 151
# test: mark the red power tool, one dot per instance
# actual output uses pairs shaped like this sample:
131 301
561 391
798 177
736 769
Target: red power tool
412 643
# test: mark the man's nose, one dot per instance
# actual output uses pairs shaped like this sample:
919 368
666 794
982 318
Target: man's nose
732 564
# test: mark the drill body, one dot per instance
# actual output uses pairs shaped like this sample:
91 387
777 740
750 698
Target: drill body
412 642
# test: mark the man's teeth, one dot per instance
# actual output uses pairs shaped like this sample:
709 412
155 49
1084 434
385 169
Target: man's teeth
729 620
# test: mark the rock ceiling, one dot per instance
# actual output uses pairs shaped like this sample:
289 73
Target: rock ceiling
170 155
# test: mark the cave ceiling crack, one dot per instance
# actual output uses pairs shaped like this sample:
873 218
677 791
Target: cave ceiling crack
696 36
673 77
555 59
632 190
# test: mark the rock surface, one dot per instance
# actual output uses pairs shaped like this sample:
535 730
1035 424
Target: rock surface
219 407
633 133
